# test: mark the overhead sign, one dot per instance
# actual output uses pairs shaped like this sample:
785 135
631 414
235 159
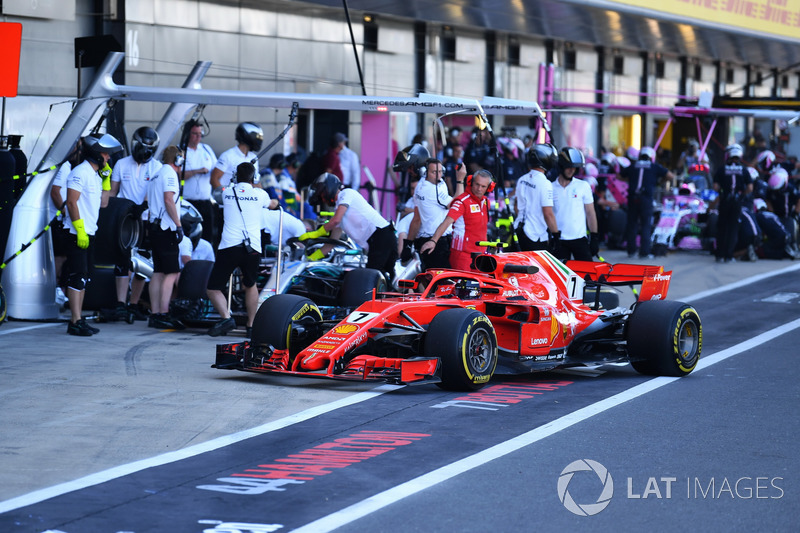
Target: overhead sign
10 42
775 17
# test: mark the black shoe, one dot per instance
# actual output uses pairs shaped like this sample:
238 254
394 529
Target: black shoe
222 327
79 328
176 324
159 321
89 326
138 311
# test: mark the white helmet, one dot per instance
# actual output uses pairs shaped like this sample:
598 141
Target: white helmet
759 204
734 150
765 160
647 151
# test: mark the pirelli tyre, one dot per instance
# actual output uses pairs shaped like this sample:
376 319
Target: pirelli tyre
117 230
282 315
465 342
664 338
357 286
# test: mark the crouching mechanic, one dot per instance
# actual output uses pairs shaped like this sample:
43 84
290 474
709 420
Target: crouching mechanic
470 214
240 246
166 232
87 192
359 220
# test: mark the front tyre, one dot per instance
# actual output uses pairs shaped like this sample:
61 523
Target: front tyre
665 338
278 316
465 342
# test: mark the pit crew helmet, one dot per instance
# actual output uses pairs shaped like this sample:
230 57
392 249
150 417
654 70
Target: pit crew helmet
250 134
753 173
413 156
191 222
632 153
324 189
609 159
765 160
144 144
759 204
647 152
590 170
734 151
542 156
778 179
570 157
94 147
467 289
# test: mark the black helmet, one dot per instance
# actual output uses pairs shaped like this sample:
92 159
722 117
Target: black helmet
413 156
570 157
93 146
144 144
467 289
324 189
542 156
250 134
191 221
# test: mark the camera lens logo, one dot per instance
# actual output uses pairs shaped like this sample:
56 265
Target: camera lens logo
585 509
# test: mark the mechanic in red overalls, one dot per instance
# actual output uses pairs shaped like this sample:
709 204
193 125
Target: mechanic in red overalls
470 214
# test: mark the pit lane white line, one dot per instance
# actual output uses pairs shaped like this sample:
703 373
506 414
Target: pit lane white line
27 328
741 283
425 481
219 442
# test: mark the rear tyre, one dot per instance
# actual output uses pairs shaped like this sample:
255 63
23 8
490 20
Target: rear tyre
665 338
357 286
465 342
274 320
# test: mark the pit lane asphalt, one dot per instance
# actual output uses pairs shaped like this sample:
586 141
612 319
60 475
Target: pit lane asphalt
74 407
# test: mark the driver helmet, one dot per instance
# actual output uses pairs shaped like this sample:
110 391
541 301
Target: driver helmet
324 189
467 289
250 134
144 144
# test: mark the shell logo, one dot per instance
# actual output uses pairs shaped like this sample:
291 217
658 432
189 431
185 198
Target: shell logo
344 329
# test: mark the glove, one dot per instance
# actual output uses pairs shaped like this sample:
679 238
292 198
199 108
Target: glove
83 238
316 255
594 244
179 234
407 253
316 234
553 240
105 173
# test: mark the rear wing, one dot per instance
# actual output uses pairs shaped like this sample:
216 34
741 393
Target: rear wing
653 280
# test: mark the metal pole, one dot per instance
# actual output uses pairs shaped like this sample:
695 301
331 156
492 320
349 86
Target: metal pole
355 50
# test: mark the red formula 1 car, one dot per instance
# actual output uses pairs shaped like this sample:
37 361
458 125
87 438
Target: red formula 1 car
517 313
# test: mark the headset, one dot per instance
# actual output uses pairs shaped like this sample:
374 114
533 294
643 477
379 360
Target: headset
482 172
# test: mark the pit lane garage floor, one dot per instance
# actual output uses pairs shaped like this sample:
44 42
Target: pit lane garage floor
131 430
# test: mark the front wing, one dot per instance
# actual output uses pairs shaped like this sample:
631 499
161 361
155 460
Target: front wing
398 371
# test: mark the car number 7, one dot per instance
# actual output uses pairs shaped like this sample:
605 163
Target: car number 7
359 317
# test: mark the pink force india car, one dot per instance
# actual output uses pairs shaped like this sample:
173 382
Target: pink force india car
517 313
